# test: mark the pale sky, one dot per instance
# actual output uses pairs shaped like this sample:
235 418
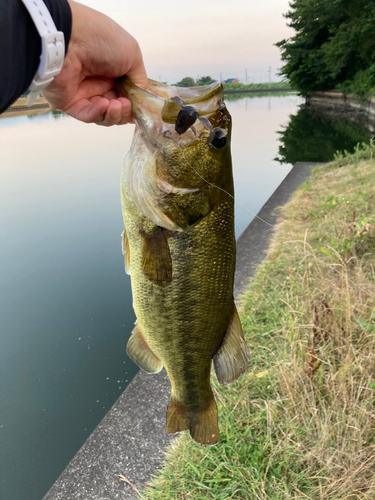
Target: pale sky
204 37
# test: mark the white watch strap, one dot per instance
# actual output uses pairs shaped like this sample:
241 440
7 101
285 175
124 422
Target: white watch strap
53 47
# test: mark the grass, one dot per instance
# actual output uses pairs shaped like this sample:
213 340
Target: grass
301 423
255 86
235 96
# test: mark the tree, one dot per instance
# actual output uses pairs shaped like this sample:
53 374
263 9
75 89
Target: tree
333 46
186 82
205 80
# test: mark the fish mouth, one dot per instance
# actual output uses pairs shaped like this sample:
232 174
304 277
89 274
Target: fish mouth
180 113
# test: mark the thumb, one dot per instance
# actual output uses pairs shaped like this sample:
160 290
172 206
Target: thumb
137 72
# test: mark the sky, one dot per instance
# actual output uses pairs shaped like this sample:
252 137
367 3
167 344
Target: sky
221 38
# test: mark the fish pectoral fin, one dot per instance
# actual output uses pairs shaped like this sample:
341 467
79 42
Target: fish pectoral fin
156 257
125 251
201 422
232 359
139 351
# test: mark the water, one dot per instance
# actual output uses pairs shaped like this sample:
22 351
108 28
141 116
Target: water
65 308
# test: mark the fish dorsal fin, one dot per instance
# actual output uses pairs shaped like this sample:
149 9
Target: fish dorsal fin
125 251
156 257
202 422
139 351
232 359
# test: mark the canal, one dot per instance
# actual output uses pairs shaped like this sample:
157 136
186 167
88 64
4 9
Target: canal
65 301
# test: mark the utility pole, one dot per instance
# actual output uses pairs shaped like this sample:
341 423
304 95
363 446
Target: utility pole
221 77
246 75
269 74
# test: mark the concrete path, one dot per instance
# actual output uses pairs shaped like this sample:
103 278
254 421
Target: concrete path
131 438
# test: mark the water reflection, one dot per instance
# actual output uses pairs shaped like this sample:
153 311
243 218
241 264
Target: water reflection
314 136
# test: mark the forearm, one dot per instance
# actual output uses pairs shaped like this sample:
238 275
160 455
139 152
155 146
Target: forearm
21 46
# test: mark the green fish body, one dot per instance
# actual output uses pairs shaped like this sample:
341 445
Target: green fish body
179 248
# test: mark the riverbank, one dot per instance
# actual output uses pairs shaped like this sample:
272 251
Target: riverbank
301 424
20 108
256 87
256 91
336 104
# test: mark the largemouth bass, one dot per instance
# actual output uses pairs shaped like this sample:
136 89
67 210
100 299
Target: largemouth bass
179 247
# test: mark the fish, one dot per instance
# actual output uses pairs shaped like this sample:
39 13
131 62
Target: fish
179 247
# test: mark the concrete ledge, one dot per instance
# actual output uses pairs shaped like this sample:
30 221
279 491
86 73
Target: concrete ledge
253 243
131 438
336 104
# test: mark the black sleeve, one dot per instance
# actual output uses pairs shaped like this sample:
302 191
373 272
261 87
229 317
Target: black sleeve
20 45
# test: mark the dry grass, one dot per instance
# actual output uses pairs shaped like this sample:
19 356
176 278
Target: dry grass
302 424
327 373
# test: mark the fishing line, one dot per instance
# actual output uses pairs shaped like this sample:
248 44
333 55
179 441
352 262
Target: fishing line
226 192
280 230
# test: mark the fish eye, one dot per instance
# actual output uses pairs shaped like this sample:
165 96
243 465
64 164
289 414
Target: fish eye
185 119
220 140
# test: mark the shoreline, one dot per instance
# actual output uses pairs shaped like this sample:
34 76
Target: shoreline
20 108
251 91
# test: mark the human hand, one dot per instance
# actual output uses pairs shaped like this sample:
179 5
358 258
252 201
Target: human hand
99 51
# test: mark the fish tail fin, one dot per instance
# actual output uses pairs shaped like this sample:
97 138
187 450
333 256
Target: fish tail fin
232 359
202 422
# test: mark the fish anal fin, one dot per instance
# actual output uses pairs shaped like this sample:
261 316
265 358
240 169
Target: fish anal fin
125 251
156 257
201 422
139 351
232 359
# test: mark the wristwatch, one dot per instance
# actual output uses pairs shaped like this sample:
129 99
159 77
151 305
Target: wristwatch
53 48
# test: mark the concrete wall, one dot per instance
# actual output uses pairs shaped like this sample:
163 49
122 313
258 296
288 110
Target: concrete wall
336 103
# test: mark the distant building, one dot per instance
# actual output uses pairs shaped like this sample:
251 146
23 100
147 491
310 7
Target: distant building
231 80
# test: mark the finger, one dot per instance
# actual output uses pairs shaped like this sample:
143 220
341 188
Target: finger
113 114
89 111
125 103
102 111
111 94
91 87
137 72
118 113
138 77
127 116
